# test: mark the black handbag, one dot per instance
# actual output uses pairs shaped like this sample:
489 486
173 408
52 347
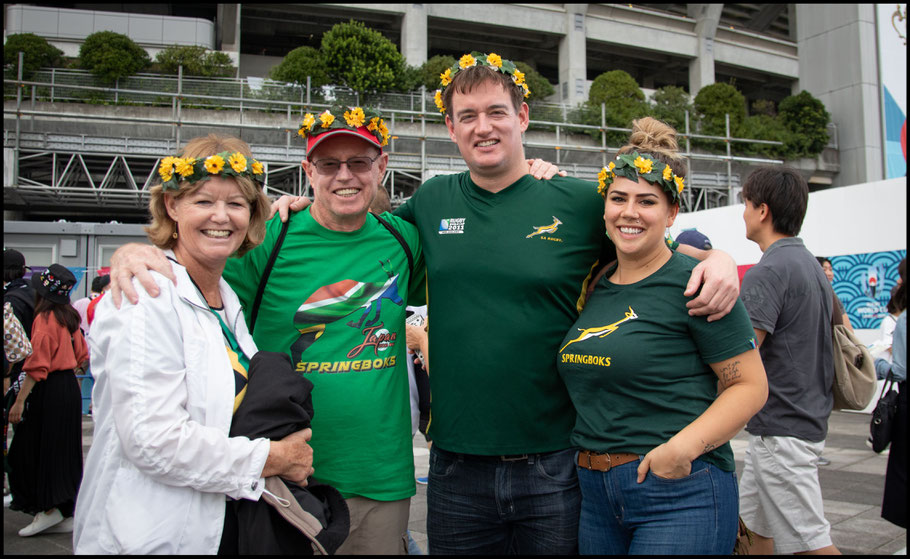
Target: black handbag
883 416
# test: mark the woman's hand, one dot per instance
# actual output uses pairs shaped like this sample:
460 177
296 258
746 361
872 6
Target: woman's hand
15 412
291 458
666 462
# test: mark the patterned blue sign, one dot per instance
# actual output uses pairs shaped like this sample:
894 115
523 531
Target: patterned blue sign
863 282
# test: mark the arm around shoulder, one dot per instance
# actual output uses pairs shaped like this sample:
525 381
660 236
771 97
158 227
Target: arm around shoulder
140 349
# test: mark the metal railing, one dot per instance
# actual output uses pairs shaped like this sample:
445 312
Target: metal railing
292 100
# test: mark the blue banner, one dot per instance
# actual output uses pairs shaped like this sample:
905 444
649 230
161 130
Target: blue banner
863 282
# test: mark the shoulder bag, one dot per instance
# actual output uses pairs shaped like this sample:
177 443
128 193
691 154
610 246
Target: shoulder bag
883 415
854 369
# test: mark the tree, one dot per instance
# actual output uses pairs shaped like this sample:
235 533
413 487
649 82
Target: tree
196 61
432 68
361 58
38 54
712 104
540 87
111 55
670 104
300 63
806 117
623 99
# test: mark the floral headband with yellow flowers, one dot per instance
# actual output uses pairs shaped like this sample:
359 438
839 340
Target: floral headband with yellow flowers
475 59
174 170
350 118
634 166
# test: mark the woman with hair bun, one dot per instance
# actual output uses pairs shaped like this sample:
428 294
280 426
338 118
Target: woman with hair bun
655 466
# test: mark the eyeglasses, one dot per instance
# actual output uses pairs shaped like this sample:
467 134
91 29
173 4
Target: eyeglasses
355 165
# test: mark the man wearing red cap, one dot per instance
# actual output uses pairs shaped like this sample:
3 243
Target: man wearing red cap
334 299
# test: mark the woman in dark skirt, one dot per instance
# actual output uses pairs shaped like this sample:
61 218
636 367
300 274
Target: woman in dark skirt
45 456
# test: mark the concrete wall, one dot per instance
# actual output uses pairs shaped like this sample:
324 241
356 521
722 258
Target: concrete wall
82 247
67 29
838 64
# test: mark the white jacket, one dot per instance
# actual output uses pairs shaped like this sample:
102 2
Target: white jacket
161 461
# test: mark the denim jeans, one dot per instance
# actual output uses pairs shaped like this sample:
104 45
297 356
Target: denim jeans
480 504
697 514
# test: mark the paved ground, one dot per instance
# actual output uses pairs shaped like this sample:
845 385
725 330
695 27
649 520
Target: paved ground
851 487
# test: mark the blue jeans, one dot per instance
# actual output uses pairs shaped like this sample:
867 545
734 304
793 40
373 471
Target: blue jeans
696 515
487 505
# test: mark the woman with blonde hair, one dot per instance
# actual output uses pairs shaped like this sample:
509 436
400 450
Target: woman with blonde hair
171 370
655 468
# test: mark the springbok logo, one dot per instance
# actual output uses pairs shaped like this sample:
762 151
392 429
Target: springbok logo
601 331
551 228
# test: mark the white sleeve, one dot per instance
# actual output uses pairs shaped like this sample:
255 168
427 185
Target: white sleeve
141 348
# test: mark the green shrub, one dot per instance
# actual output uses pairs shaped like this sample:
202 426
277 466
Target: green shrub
300 63
38 54
432 68
409 79
624 102
712 103
806 117
540 87
764 107
111 56
669 104
763 127
196 61
361 58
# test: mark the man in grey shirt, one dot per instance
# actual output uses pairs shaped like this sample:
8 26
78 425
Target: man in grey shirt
790 303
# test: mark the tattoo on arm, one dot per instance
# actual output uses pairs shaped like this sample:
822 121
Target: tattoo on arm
708 447
730 373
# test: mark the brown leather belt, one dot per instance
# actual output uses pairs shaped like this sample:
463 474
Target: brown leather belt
603 462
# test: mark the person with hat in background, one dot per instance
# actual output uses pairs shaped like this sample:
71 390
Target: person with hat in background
693 237
20 296
45 456
334 299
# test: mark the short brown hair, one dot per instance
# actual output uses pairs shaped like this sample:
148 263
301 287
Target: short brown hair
162 228
467 79
785 192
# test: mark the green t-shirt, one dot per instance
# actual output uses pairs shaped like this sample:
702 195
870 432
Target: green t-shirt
505 274
636 363
335 302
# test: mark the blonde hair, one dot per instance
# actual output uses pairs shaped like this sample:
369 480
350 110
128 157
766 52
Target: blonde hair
657 139
162 228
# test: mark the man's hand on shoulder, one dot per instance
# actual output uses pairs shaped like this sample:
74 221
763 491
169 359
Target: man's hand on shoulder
718 272
287 204
540 169
135 260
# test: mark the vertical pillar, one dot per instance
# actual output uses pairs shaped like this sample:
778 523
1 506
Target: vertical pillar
829 38
414 34
573 66
701 70
227 32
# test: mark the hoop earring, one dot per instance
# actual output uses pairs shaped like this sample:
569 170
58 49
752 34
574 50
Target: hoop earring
174 235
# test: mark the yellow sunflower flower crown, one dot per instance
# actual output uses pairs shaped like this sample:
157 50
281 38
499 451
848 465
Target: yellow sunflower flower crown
174 170
480 59
350 118
641 165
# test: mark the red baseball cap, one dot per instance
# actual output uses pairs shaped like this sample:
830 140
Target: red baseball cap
360 132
